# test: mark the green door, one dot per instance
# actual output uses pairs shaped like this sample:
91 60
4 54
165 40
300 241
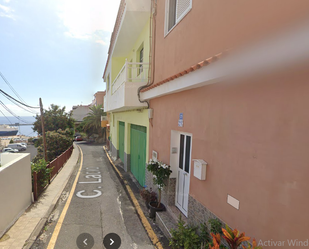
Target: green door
121 141
138 152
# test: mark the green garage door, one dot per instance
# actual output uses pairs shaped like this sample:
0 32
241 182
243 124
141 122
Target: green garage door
121 141
138 152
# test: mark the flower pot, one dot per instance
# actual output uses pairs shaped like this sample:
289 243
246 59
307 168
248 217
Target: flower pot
153 209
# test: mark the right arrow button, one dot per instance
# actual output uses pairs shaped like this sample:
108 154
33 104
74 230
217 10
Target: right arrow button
112 241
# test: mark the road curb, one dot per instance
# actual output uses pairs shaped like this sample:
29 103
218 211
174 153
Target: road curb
35 233
37 230
150 232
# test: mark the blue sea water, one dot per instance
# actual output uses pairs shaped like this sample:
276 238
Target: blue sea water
25 130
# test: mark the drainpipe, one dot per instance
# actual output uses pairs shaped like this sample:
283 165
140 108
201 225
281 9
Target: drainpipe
152 35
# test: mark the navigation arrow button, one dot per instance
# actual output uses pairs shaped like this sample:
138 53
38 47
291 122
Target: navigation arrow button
112 242
85 242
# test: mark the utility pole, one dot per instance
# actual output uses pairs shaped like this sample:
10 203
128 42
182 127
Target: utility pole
43 130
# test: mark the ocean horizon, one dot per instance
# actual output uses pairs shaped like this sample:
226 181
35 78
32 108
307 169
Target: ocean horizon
25 130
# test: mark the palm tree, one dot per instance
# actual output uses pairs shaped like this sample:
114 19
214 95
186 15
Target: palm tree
92 122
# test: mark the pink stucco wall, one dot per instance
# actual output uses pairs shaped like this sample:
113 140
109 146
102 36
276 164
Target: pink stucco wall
254 135
213 26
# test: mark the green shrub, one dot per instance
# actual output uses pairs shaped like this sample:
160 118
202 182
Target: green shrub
185 236
44 173
215 226
204 235
57 143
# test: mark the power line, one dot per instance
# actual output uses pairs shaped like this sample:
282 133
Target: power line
28 110
11 87
30 133
8 83
6 117
8 95
7 109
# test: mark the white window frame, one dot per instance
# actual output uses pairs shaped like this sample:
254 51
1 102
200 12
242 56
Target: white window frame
166 31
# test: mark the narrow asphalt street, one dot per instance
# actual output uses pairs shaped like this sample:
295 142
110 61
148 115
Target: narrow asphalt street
99 207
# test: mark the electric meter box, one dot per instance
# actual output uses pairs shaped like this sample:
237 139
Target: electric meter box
200 169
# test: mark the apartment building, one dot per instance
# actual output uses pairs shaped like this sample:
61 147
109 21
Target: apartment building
126 72
229 100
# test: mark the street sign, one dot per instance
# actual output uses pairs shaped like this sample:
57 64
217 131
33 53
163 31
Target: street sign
180 121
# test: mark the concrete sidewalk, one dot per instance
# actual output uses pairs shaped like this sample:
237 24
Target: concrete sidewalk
26 229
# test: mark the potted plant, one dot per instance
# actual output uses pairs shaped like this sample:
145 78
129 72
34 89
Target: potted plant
161 173
148 196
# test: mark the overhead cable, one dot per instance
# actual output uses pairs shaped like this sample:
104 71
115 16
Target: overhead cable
8 83
24 108
34 107
11 87
11 112
6 117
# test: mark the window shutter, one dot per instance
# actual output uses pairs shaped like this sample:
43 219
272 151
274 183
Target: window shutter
183 7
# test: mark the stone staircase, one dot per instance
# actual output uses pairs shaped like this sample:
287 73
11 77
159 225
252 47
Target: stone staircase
168 219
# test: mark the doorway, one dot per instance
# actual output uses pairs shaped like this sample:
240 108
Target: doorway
183 173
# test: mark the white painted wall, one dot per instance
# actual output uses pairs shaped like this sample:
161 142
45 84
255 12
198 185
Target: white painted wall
125 97
174 158
15 188
79 112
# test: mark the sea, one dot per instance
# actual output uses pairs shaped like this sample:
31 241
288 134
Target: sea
25 130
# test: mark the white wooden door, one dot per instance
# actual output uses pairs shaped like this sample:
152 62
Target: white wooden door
183 174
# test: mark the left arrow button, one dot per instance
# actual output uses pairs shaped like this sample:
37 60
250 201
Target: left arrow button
84 241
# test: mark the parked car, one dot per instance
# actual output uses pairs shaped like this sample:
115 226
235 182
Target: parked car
10 150
78 138
24 144
17 146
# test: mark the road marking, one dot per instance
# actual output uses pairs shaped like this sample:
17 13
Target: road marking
153 237
55 235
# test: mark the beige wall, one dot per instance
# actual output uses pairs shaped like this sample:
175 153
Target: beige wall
254 136
79 112
213 26
15 188
99 98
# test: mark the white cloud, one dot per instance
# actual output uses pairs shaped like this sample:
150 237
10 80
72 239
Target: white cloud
4 8
87 20
6 11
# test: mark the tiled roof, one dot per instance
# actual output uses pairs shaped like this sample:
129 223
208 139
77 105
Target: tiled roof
188 70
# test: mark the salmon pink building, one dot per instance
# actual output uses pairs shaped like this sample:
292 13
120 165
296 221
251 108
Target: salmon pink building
229 100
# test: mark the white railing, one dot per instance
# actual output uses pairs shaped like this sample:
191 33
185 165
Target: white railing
131 72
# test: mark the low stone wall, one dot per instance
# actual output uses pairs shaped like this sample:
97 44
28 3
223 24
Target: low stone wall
197 213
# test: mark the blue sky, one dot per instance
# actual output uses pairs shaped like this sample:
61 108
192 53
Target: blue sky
54 49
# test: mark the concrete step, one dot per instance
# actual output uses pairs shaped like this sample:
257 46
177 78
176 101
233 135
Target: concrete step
168 220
